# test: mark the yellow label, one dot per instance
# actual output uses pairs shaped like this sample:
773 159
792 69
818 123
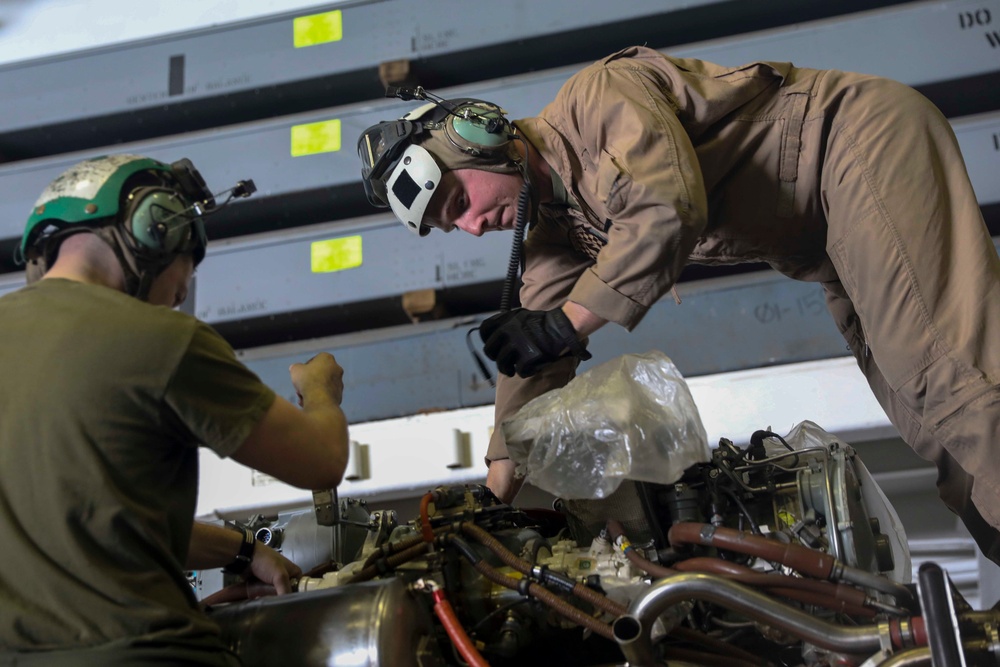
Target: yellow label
312 138
318 29
786 518
336 254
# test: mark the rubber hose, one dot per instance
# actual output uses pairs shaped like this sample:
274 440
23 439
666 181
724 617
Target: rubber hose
457 634
547 597
800 558
524 567
803 559
392 562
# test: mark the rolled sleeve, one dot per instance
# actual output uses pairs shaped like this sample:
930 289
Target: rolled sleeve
644 175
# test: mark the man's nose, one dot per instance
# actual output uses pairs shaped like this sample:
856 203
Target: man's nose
474 226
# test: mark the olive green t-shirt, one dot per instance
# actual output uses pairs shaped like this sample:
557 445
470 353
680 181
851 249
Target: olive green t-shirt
104 401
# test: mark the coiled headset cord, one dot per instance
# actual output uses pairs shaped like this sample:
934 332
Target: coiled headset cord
515 265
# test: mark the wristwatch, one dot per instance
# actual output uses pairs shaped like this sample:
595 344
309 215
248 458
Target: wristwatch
245 556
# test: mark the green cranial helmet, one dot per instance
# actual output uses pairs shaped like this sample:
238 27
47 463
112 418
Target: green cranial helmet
148 211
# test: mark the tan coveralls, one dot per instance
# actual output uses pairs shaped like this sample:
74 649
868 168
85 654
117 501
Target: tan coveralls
846 179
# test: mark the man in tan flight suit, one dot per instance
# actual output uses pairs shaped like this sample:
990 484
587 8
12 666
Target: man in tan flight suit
644 163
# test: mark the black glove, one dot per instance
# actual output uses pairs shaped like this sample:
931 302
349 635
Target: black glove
523 341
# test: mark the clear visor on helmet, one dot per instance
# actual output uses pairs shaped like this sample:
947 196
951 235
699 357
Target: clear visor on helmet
380 148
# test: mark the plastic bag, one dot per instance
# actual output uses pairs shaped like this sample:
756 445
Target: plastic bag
629 418
808 434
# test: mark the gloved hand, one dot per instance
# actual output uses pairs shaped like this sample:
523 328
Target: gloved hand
523 341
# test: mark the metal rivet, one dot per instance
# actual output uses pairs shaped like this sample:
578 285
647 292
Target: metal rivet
90 208
429 185
407 159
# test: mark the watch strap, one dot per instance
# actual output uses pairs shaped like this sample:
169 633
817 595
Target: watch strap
245 555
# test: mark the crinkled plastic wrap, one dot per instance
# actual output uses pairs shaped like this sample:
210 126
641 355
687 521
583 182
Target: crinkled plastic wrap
630 418
808 434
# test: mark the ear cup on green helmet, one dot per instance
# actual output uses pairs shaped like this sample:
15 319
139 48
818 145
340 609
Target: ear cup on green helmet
158 220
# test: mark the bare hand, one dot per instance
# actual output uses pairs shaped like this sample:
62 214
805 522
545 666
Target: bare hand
272 568
500 479
323 374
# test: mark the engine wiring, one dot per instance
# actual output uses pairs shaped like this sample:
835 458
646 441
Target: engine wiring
742 570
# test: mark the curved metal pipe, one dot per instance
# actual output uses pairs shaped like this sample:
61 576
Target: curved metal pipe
632 631
917 657
923 655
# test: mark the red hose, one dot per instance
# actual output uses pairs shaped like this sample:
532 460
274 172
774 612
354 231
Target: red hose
457 634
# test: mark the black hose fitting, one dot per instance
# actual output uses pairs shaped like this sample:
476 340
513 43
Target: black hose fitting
558 579
463 548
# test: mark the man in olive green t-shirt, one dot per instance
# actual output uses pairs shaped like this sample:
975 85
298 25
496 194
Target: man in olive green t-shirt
107 393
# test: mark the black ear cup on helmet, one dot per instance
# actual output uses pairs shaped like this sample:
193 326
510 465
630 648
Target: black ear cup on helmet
158 220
